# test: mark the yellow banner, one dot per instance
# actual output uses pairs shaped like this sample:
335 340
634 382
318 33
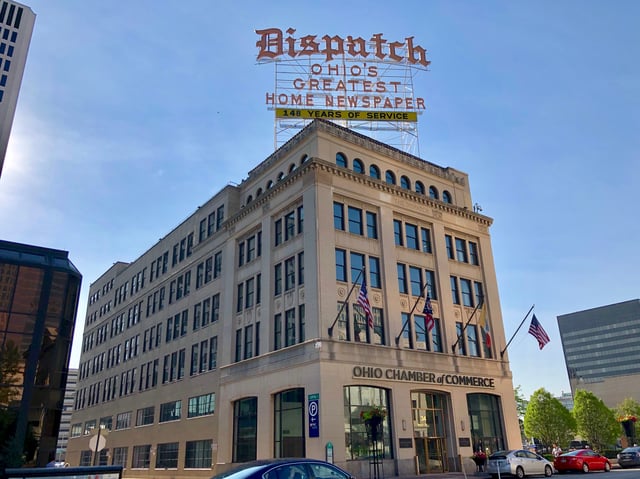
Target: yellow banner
354 115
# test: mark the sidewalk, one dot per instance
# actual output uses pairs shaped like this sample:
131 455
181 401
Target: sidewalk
444 475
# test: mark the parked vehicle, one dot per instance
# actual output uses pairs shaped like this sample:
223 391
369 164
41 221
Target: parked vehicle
294 468
629 457
519 463
584 460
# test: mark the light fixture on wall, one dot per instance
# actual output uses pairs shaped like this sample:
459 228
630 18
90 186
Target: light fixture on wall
462 424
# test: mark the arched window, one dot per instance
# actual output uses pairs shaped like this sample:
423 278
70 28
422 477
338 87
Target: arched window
304 159
259 192
245 429
374 172
405 182
249 199
357 400
485 424
269 184
280 175
358 166
289 414
292 167
419 188
433 193
446 196
341 160
390 178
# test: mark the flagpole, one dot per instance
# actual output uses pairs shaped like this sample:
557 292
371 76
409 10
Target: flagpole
406 323
514 334
479 305
355 283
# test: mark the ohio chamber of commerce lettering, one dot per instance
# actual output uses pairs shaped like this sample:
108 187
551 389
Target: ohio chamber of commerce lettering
420 376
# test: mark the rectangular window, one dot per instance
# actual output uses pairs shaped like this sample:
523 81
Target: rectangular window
479 292
208 270
202 405
249 293
240 253
422 337
215 307
213 353
430 277
277 279
251 248
338 216
145 416
374 272
300 212
301 268
217 265
301 324
198 454
415 280
455 294
355 221
197 316
202 233
219 217
341 265
411 236
290 327
141 457
465 289
402 278
238 355
473 253
461 250
86 457
240 298
248 341
289 273
425 235
195 354
277 332
462 350
123 420
277 230
357 266
290 226
372 225
167 456
120 456
472 340
211 224
436 337
449 243
170 411
397 232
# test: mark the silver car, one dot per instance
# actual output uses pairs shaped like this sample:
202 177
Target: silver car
519 463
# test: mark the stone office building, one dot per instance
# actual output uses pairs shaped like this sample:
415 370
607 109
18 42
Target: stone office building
239 334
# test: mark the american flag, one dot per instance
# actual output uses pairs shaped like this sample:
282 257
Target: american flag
428 313
538 332
363 301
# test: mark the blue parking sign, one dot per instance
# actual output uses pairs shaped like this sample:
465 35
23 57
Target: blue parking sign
314 415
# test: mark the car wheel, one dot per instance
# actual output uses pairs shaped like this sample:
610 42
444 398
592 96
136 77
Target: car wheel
519 473
548 472
607 467
585 467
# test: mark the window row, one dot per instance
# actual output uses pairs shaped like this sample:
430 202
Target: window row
247 342
209 269
250 248
464 251
280 176
211 224
289 226
390 178
289 329
412 236
182 250
249 293
356 221
204 356
289 269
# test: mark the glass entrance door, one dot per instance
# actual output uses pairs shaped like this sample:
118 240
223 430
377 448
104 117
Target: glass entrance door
428 411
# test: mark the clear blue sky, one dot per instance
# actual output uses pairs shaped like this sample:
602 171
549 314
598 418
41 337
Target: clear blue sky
132 114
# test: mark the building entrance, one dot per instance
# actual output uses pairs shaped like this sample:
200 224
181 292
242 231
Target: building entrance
429 413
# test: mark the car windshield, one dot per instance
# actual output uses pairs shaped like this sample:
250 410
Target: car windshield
239 472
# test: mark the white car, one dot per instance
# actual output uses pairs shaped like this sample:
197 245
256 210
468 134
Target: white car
519 463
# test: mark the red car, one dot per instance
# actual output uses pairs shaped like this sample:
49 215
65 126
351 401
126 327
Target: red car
584 460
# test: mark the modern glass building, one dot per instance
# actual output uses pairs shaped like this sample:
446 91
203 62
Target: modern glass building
240 334
39 290
16 27
602 350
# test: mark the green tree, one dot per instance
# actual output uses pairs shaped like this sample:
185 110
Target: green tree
596 422
548 420
10 372
521 402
